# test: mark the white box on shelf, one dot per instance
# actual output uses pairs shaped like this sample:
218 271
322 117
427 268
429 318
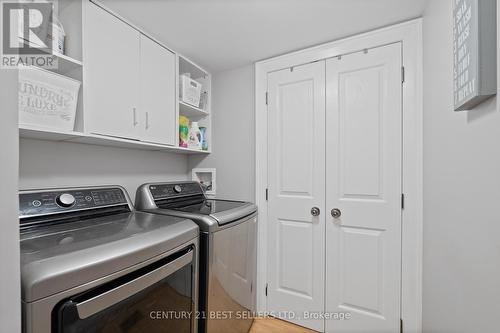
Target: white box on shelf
58 38
206 177
47 99
189 90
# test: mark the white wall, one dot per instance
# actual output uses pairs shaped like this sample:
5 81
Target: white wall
10 293
461 195
233 134
60 164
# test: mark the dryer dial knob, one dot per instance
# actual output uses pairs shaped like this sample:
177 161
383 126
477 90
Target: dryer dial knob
65 200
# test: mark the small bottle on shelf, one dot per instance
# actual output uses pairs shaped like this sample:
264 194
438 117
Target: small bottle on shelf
194 141
204 100
204 141
183 131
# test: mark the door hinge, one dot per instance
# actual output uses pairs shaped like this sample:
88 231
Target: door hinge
402 201
266 290
267 98
400 325
267 194
402 74
251 287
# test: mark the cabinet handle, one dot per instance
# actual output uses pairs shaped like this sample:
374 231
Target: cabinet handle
135 116
147 120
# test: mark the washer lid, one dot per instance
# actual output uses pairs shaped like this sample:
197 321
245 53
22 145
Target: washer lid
223 211
59 257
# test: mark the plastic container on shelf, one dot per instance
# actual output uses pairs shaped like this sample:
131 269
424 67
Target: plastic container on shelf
183 131
204 141
204 100
189 90
58 36
194 141
53 38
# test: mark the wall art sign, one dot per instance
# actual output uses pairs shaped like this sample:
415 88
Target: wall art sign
474 52
47 99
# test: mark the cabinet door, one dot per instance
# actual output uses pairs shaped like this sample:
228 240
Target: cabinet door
157 92
112 64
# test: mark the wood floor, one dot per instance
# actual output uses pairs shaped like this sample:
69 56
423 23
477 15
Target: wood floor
271 325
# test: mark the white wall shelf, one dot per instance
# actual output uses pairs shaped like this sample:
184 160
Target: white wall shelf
193 151
65 64
191 111
187 66
46 134
202 116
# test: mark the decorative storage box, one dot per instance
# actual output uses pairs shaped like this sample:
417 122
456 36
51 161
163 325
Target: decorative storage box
190 90
47 99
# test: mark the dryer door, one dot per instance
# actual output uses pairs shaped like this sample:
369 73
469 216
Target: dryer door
157 298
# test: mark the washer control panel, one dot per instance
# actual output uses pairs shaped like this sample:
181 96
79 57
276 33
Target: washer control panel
59 201
173 190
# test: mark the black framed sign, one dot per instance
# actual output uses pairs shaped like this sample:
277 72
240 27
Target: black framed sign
474 52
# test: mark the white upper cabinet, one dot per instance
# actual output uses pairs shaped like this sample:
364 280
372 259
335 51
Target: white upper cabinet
130 89
111 72
157 92
129 96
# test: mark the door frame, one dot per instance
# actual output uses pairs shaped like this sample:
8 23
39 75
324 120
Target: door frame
410 35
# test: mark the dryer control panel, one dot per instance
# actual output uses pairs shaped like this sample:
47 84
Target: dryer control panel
32 203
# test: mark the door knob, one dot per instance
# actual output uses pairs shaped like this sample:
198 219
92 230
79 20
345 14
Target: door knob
336 213
315 211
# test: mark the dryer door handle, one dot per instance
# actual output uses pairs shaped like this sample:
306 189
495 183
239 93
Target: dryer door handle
111 297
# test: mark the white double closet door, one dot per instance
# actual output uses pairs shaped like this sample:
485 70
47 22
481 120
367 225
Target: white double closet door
335 142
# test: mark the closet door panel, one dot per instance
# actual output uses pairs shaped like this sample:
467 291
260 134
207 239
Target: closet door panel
296 187
363 181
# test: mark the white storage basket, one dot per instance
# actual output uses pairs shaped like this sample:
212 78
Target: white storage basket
190 90
47 99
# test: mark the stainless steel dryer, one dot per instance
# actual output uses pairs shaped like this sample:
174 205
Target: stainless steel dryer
227 251
90 263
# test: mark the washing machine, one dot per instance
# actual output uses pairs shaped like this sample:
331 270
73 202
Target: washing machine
228 230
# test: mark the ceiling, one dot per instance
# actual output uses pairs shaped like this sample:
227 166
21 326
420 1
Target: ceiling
225 34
